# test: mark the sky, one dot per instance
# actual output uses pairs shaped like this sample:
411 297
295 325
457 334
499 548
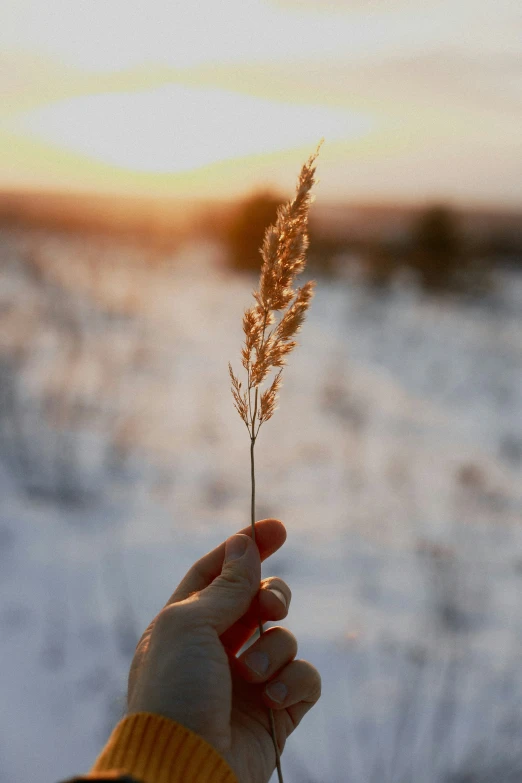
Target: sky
416 99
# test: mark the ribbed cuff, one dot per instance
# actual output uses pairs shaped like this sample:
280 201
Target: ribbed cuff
155 749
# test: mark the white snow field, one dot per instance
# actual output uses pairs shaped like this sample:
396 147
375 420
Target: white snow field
394 460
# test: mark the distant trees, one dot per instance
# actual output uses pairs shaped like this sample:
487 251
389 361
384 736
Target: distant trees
434 248
437 251
246 229
443 257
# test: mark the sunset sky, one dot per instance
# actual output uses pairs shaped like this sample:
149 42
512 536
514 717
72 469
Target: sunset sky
416 99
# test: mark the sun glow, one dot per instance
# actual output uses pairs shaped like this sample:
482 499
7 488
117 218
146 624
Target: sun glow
415 98
175 128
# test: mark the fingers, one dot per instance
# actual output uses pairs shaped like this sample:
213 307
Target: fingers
271 603
296 688
294 685
273 650
270 536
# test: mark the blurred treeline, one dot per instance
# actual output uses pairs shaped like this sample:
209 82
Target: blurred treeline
439 248
157 224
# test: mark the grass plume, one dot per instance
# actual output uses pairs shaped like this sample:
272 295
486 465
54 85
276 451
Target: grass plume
271 324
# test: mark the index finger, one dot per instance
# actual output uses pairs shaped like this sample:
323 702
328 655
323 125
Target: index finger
270 536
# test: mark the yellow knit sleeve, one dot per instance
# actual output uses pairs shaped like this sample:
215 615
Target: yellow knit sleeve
155 749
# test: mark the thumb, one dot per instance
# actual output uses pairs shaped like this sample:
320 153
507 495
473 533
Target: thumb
229 596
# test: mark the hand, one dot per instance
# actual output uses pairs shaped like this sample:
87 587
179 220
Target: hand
185 666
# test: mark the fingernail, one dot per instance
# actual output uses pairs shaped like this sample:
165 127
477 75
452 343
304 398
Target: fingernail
279 594
235 547
258 662
277 692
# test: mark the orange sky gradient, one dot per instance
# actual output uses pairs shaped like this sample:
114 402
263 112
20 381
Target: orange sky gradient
416 99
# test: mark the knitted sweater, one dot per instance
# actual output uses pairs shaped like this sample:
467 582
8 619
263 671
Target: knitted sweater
147 748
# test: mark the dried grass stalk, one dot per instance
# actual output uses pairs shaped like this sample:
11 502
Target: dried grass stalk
271 324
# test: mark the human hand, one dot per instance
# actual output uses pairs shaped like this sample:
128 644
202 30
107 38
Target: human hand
185 666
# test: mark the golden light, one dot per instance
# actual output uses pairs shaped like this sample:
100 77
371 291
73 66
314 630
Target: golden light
415 98
175 128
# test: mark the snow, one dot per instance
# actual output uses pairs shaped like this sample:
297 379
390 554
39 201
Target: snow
394 461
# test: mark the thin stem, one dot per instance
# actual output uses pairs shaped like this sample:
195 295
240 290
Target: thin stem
253 522
253 482
255 412
249 402
254 434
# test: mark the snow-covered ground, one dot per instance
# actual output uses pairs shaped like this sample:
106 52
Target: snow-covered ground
394 460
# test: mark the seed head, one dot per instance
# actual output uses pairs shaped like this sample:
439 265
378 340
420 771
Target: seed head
284 257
